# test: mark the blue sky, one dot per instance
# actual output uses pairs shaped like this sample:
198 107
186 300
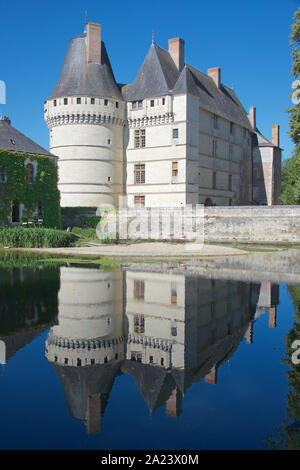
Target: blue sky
248 40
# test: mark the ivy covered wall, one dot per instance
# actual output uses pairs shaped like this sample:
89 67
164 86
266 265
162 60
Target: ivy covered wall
42 190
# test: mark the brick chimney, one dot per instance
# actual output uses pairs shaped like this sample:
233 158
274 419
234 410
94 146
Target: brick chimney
272 317
93 32
252 116
215 74
275 135
212 376
176 50
93 414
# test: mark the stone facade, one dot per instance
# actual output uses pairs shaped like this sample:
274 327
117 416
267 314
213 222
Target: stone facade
176 136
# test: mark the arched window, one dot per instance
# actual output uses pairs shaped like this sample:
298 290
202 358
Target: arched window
29 173
2 173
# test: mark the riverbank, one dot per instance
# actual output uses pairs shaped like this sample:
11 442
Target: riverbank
155 250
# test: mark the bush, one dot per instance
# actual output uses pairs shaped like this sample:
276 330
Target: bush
89 221
19 237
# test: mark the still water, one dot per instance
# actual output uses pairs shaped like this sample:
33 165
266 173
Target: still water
133 359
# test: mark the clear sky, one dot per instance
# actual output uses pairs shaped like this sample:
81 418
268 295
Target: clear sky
248 40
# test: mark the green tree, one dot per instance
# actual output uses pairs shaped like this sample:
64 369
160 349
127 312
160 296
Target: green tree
290 193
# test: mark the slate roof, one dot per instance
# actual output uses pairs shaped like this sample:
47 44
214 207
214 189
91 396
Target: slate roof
261 141
159 76
80 78
15 141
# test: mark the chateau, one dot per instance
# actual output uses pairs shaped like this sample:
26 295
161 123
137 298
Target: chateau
175 136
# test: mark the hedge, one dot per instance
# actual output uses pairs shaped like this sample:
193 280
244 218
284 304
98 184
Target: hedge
19 237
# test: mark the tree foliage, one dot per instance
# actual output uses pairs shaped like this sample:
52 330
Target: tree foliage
291 168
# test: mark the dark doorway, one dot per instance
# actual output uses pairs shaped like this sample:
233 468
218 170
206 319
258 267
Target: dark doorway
15 217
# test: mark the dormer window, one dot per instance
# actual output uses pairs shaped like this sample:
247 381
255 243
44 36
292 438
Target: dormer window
78 101
137 104
152 103
163 101
92 100
65 100
54 102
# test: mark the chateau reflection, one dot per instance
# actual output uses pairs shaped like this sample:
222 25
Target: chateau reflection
167 331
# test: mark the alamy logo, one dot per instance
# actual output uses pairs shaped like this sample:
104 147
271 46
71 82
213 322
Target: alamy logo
295 96
153 223
2 352
296 354
2 92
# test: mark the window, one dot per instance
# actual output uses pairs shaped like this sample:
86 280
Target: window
231 128
230 202
78 100
173 293
229 182
214 151
108 141
174 172
140 138
92 361
139 324
78 362
175 133
214 180
92 100
152 103
139 201
139 289
117 104
65 100
109 179
230 152
137 104
163 101
116 356
54 102
151 359
2 174
105 102
162 361
139 174
215 121
105 360
66 360
29 173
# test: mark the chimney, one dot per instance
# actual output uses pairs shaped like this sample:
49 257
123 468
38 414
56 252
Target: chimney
173 404
275 135
93 414
215 74
252 116
272 317
211 377
176 50
93 32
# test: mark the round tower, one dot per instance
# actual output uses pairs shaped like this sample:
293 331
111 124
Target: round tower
85 115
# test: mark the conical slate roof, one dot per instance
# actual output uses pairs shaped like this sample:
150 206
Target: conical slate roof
157 75
15 141
78 77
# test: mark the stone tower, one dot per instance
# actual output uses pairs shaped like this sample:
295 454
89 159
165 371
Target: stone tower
85 116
